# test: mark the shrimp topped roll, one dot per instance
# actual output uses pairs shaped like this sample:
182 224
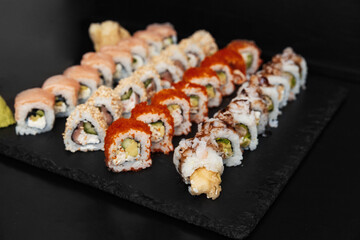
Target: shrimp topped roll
88 78
85 129
161 124
153 39
199 165
34 111
138 49
206 41
127 145
166 31
179 106
66 91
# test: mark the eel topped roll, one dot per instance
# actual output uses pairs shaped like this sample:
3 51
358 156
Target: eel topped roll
198 99
150 78
224 72
131 91
139 51
34 111
224 137
168 71
104 63
161 124
206 41
108 102
153 39
250 53
207 78
179 106
193 51
167 32
66 91
123 61
199 165
88 78
85 129
127 145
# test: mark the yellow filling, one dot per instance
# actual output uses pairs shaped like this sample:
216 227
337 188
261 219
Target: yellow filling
205 181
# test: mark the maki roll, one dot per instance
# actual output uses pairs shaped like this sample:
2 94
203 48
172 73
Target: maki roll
193 50
250 53
153 39
103 63
206 41
177 56
34 111
236 63
161 124
150 78
168 71
166 31
127 145
223 71
88 79
122 59
224 137
207 78
179 106
66 91
199 165
139 51
85 129
238 115
198 100
131 91
108 102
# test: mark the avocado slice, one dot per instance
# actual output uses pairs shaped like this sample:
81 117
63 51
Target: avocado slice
89 128
194 101
147 82
291 78
159 126
244 134
269 103
225 146
173 107
35 114
130 146
210 91
249 59
222 77
127 95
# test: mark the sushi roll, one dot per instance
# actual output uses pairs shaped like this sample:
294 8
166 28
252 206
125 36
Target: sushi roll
250 53
88 79
168 71
150 78
236 63
166 31
127 145
108 102
179 106
85 129
161 124
224 72
224 137
238 115
193 51
153 39
198 100
177 56
131 91
199 165
34 111
139 51
103 63
209 79
123 61
206 41
66 91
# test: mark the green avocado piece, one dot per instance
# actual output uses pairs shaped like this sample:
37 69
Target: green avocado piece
222 77
291 78
249 59
6 116
225 146
210 91
147 82
173 107
246 136
269 103
157 124
89 128
130 146
127 95
194 101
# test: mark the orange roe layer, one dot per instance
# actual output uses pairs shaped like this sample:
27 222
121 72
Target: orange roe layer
213 60
199 72
165 94
238 44
233 58
184 84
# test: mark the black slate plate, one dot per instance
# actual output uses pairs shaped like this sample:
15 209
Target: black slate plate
247 190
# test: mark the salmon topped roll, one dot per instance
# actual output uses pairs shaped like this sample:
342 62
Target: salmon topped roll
34 111
179 106
224 72
131 91
168 71
236 63
66 91
88 78
167 32
207 78
127 145
250 53
198 99
153 39
193 51
108 102
139 51
104 63
206 41
150 78
123 61
161 124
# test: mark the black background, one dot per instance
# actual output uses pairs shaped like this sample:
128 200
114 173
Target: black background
41 38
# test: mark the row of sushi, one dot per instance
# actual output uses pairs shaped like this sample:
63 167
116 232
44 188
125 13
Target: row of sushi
222 139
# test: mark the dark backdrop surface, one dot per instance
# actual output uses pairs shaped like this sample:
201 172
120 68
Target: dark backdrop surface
44 37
